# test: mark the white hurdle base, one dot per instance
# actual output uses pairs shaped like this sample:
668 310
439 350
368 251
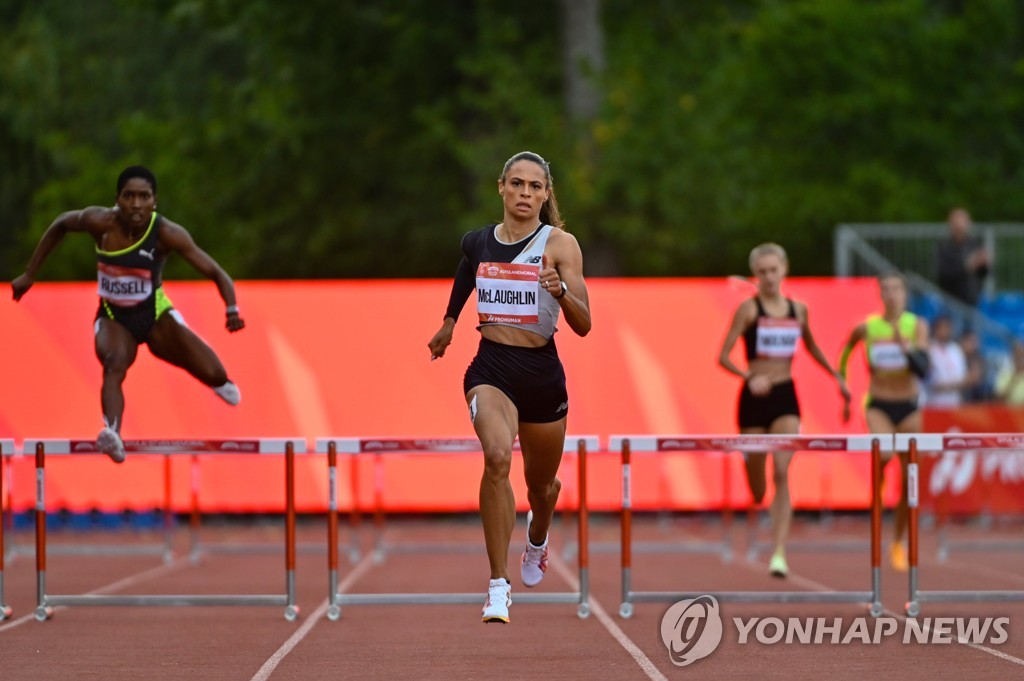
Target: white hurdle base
628 444
46 603
376 446
449 598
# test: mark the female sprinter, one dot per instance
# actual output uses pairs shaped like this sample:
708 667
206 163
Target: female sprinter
525 270
896 348
132 244
770 325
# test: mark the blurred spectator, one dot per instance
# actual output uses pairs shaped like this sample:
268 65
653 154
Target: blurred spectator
1010 383
962 262
976 384
948 369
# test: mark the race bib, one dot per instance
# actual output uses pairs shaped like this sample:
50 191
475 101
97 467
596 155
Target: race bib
888 356
777 338
507 293
124 286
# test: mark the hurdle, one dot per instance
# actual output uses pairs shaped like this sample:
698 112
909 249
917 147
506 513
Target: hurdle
379 446
914 443
627 444
6 450
289 447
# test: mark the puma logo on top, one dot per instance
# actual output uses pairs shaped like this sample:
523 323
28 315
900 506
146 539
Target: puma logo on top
148 254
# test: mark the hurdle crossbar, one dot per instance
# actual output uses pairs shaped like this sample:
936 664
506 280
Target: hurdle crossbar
627 444
6 450
288 446
913 444
356 446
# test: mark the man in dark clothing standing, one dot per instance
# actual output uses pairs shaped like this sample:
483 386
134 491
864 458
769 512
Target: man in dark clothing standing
962 260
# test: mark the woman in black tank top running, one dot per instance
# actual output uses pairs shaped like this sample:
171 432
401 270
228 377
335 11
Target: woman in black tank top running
525 271
771 325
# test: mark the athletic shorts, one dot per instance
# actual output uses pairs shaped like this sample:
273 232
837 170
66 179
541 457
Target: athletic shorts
761 412
533 378
896 410
139 319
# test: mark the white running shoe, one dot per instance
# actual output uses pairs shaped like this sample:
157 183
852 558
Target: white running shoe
109 442
230 393
499 597
535 558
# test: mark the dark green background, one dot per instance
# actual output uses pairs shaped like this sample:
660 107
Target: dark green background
356 138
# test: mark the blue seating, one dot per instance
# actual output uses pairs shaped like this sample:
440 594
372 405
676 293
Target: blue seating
927 305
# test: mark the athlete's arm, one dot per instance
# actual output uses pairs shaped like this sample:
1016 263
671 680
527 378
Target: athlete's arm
175 239
740 320
818 355
921 334
917 354
856 336
462 287
72 221
566 264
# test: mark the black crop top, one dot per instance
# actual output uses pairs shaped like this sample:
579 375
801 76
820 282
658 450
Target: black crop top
772 337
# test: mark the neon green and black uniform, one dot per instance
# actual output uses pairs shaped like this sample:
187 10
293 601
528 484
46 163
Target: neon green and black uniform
886 356
131 285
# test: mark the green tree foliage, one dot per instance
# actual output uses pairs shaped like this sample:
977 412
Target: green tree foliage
361 139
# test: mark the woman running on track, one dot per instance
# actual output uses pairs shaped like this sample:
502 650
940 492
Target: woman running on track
132 244
525 270
896 348
771 325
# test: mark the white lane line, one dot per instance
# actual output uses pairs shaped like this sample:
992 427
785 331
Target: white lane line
817 586
634 651
143 576
311 621
982 569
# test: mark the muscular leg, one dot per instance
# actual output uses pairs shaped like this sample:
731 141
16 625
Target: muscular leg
755 465
178 345
496 423
116 350
782 506
542 445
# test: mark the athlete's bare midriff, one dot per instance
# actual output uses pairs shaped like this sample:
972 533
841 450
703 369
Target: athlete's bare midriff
509 335
777 370
893 386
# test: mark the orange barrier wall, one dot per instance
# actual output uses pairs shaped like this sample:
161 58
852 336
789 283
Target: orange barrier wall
968 481
349 358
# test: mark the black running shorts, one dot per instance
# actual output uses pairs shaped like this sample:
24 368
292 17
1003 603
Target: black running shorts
761 412
533 378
